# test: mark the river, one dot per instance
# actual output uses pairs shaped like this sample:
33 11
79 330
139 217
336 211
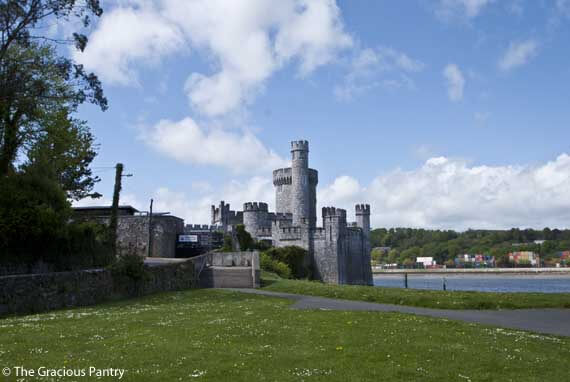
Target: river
544 283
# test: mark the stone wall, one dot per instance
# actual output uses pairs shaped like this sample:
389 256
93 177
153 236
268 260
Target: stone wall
42 292
132 233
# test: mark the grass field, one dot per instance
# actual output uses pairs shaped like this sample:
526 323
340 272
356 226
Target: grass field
418 297
214 335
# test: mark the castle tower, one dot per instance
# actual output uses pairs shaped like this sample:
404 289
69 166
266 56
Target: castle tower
255 217
363 221
300 195
363 218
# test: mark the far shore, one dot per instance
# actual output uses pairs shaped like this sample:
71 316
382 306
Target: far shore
378 270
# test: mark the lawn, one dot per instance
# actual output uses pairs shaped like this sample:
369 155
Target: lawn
215 335
419 297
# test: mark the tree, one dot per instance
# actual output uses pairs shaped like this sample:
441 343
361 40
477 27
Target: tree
63 151
244 238
34 80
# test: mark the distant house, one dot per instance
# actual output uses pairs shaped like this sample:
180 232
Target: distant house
427 262
474 261
524 258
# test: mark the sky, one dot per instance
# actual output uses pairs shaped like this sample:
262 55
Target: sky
447 114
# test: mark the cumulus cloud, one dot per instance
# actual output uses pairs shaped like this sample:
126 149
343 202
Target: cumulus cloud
371 68
448 9
443 193
196 209
187 142
518 53
448 193
455 82
127 34
247 42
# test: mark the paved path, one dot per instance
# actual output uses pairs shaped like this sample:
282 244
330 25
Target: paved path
551 321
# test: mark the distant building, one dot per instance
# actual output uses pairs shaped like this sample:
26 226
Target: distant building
198 239
427 262
524 258
474 261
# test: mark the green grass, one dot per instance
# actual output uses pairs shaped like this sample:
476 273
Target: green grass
418 297
214 335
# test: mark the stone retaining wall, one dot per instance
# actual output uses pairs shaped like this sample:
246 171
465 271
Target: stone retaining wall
42 292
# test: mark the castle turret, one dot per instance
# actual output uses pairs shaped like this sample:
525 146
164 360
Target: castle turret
300 196
255 217
363 218
363 221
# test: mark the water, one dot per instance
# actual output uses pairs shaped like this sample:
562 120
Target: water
543 283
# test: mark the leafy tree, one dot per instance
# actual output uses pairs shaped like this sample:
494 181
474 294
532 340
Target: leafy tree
63 151
34 80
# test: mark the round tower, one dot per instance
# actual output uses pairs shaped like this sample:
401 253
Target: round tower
300 196
255 217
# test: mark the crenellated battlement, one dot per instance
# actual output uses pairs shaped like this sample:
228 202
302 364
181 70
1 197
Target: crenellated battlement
362 209
334 212
255 206
282 176
300 145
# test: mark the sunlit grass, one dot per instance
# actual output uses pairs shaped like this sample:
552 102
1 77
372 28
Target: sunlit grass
221 336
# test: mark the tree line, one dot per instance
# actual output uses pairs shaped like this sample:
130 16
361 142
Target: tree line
445 245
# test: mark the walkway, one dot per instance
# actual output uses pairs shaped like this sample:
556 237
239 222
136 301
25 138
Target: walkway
551 321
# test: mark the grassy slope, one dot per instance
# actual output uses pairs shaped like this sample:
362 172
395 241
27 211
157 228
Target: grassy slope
217 335
417 297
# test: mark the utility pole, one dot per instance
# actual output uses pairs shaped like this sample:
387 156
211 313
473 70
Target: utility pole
115 207
150 230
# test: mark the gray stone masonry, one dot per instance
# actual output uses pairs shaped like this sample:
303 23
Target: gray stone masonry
338 253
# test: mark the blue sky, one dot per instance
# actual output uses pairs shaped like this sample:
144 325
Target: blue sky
440 114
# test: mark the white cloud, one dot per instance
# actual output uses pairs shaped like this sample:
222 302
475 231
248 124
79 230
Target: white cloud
344 188
455 82
246 41
443 193
448 9
518 53
127 34
448 193
196 210
188 142
368 66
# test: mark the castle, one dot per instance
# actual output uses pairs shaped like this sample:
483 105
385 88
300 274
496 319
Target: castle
339 252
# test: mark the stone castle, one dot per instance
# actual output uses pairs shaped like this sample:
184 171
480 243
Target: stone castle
339 252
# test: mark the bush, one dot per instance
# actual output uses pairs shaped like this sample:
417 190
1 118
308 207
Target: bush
35 229
267 263
294 257
245 240
131 265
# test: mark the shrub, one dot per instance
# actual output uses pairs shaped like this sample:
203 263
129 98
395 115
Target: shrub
131 265
267 263
228 243
245 240
294 257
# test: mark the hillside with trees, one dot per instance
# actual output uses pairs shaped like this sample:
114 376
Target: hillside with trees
405 244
